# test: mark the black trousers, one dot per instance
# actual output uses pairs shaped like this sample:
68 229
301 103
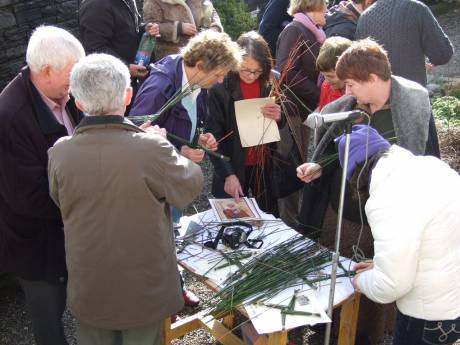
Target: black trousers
258 182
46 303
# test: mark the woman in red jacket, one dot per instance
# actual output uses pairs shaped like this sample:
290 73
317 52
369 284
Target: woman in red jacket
248 167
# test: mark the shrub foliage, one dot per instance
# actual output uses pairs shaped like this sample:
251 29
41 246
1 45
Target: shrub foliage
447 109
235 17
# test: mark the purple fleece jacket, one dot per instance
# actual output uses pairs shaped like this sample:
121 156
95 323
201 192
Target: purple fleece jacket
164 80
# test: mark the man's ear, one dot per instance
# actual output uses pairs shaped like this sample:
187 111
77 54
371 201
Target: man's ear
200 66
373 78
79 106
45 70
128 96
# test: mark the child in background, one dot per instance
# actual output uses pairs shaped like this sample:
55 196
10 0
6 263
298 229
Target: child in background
332 87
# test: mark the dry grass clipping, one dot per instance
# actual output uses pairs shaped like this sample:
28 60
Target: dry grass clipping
449 143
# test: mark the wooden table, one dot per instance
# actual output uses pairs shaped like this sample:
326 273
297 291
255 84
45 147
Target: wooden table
222 329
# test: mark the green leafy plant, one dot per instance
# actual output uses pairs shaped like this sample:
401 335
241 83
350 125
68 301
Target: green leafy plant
454 93
235 17
447 109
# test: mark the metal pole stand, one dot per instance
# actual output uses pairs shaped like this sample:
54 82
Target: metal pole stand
336 254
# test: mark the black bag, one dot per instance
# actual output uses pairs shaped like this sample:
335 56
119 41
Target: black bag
283 176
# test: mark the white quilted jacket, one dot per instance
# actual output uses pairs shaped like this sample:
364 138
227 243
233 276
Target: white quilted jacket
414 214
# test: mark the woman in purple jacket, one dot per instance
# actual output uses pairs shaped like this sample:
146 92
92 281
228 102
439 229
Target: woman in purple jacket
204 61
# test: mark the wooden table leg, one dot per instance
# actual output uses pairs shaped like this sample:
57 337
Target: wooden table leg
167 331
349 320
222 334
180 328
278 338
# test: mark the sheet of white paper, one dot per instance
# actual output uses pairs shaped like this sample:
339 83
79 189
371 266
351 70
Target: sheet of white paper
253 128
269 320
265 320
205 262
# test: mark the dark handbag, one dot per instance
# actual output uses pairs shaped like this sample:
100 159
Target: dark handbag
283 175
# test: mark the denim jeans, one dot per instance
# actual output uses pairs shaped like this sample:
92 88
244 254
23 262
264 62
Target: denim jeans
412 331
176 214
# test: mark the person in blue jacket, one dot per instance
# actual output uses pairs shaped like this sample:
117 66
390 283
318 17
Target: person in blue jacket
204 61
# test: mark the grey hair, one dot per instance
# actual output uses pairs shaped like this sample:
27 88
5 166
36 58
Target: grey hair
53 46
99 83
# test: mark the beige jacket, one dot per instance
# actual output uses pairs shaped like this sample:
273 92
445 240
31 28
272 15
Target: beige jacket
114 185
170 14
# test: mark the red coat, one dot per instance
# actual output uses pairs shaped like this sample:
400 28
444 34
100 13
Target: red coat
328 94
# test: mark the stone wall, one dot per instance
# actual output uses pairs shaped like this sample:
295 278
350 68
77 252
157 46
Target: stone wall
19 18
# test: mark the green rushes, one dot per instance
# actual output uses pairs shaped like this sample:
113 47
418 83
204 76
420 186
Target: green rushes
225 259
328 159
295 262
198 146
176 98
140 119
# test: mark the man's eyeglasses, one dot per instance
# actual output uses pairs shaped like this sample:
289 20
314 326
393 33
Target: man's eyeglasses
248 72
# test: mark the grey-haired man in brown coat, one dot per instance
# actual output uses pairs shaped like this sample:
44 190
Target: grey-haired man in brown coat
114 183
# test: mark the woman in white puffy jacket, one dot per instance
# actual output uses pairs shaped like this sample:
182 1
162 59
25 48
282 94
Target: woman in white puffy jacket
413 208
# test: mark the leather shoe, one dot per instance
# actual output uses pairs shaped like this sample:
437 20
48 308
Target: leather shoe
190 299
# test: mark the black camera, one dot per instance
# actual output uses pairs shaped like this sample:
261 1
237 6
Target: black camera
233 237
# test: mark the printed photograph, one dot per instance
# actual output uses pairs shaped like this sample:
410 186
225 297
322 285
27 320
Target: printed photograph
229 209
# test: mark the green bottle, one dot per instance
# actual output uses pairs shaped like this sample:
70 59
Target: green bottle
145 50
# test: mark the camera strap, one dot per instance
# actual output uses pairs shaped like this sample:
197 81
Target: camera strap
250 243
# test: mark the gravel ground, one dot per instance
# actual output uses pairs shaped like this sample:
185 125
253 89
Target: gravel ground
15 326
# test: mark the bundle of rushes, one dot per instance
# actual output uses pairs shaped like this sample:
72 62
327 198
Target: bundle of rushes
176 98
295 262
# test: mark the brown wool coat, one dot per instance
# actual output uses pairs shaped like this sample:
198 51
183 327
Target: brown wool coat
169 14
114 185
